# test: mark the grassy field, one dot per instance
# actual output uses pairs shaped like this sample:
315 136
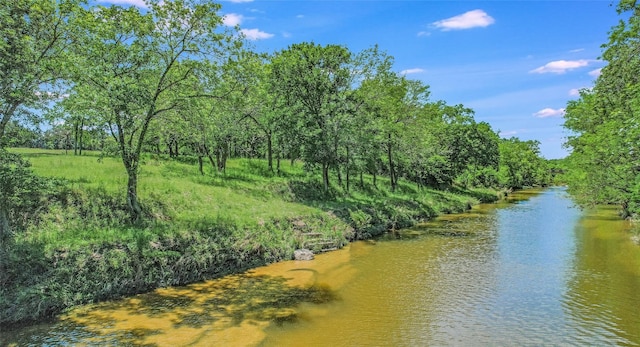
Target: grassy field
79 247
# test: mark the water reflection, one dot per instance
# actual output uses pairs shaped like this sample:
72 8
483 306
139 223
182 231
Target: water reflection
604 288
202 313
533 270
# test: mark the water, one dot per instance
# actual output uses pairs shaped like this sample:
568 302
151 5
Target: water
528 272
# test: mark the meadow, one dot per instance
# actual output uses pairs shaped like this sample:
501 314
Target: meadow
79 247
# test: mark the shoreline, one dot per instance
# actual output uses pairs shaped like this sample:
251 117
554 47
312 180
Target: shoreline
115 271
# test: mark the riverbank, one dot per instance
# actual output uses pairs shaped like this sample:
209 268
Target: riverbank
78 249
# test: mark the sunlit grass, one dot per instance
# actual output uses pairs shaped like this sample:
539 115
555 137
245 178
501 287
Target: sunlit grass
81 247
246 197
239 194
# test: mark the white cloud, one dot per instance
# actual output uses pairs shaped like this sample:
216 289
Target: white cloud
232 19
255 34
424 33
595 73
560 66
509 133
576 50
411 71
467 20
240 1
136 3
549 112
286 34
300 16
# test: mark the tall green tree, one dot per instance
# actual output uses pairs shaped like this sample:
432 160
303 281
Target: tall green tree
521 164
137 66
315 80
604 123
394 104
35 36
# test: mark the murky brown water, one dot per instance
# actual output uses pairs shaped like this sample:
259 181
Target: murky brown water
535 271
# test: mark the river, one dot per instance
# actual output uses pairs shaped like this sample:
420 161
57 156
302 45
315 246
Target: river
532 270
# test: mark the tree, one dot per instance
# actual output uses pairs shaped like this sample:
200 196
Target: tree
394 104
138 66
261 101
19 135
315 81
521 164
33 54
605 164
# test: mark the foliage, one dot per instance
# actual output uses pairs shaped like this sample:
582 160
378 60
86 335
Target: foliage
33 53
604 166
19 135
23 201
315 81
159 89
21 193
136 66
521 164
81 250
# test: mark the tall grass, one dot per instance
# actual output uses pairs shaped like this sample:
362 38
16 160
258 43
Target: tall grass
80 247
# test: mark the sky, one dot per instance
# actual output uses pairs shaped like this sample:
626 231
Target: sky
515 63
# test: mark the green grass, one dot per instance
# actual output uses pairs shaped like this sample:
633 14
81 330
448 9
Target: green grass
243 196
79 247
240 195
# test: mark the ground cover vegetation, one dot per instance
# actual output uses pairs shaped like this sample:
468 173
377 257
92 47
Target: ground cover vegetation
175 153
604 166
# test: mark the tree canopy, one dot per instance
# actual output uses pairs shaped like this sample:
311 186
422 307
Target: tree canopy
605 123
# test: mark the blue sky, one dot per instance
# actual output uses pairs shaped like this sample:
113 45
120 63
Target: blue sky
516 63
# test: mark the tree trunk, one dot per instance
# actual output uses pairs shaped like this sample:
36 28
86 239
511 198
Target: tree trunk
66 143
269 152
5 120
81 135
76 137
131 161
278 164
213 163
207 152
346 168
392 174
375 180
225 156
170 147
221 157
325 176
361 180
133 204
347 177
218 159
200 164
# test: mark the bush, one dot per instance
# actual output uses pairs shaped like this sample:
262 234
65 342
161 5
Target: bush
21 193
23 198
